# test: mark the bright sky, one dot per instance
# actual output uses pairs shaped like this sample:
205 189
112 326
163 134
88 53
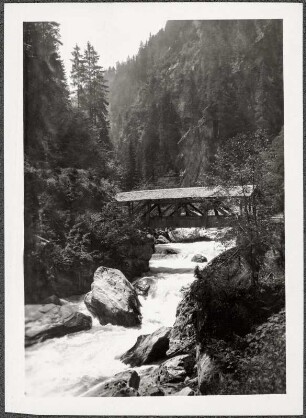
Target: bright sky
114 36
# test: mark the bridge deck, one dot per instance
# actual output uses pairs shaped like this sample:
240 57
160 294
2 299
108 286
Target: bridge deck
189 207
183 193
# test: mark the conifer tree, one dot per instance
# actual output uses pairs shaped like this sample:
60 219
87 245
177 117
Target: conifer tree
93 100
77 75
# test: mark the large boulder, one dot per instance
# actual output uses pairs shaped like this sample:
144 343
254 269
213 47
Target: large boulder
113 299
148 348
49 321
122 384
182 336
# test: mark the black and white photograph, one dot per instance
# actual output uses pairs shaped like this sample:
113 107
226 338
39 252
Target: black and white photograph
154 217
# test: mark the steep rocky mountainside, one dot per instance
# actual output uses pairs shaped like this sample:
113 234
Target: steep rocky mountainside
190 88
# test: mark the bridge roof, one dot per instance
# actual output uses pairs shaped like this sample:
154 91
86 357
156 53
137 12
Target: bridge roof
186 193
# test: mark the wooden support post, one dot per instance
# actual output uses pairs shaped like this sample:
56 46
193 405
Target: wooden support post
205 214
176 208
159 210
139 208
148 213
166 209
186 209
153 207
196 209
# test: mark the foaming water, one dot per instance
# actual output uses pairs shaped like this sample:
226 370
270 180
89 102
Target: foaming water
70 365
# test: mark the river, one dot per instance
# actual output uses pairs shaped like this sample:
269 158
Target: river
70 365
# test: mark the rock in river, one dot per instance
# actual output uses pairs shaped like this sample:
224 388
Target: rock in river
142 285
199 258
122 384
48 321
112 299
148 348
162 240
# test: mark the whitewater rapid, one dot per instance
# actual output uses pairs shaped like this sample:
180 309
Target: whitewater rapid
70 365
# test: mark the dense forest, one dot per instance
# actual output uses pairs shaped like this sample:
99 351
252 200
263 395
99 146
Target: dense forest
201 103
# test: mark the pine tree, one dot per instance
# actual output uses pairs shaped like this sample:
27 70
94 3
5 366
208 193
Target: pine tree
131 169
46 97
94 97
77 75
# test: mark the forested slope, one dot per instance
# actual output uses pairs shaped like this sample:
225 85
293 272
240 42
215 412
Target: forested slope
191 87
71 175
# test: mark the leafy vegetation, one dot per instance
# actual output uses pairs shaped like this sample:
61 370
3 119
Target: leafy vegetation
261 367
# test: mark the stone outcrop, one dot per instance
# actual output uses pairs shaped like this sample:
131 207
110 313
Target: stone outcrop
123 384
148 348
182 336
176 369
168 378
227 301
208 375
112 299
49 321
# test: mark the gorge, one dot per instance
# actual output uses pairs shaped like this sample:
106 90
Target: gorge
115 307
71 364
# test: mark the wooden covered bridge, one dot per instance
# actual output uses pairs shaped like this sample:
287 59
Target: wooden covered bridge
189 207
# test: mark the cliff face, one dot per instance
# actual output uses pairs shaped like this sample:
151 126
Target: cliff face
192 86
